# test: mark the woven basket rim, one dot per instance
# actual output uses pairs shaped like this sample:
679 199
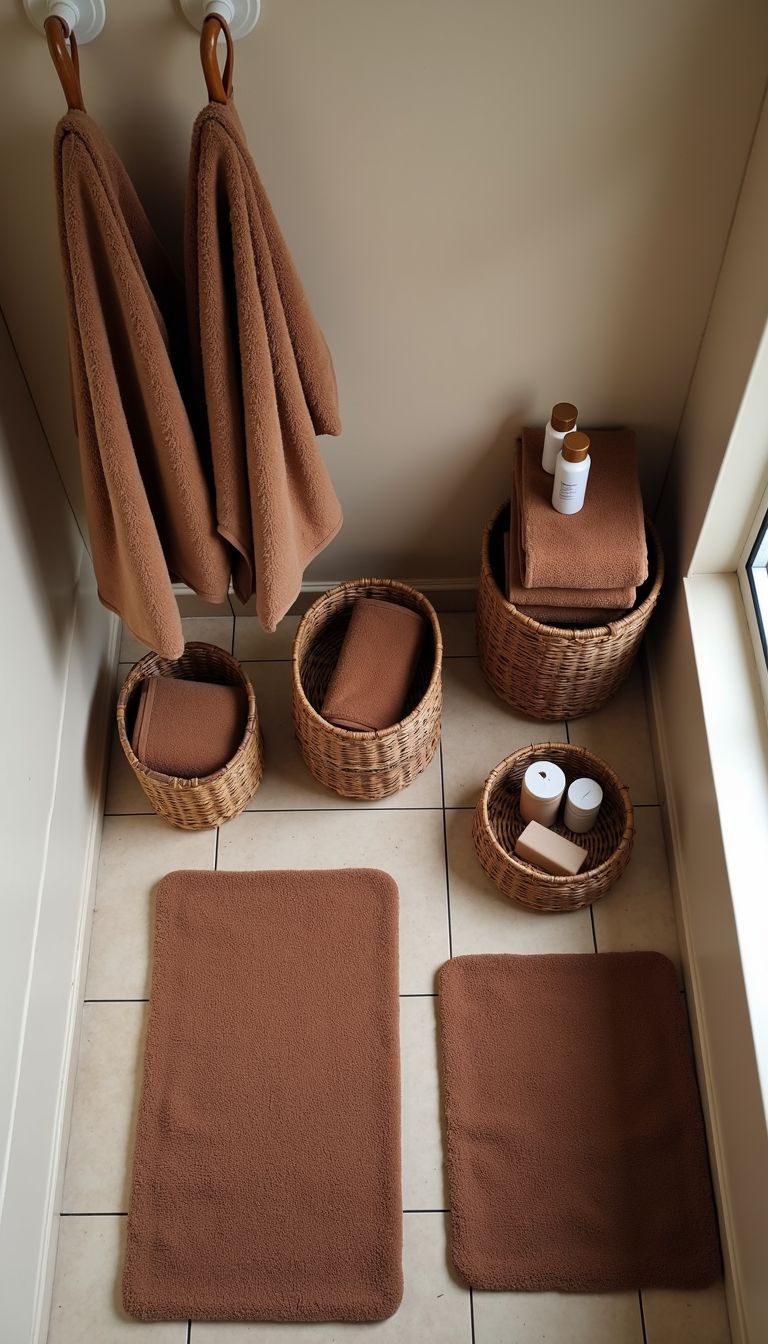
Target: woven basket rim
580 634
145 667
350 585
552 880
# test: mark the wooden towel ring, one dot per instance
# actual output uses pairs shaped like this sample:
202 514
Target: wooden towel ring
66 61
219 87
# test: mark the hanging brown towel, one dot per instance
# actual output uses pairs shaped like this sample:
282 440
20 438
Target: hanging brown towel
268 376
147 497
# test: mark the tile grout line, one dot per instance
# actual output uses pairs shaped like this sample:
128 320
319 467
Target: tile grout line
472 1314
445 853
642 1316
592 922
115 1001
216 851
189 1331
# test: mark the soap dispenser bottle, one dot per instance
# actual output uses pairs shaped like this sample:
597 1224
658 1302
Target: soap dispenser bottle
561 422
571 472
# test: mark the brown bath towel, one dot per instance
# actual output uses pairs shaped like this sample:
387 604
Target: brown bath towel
603 546
575 1146
188 728
149 509
268 376
369 685
527 599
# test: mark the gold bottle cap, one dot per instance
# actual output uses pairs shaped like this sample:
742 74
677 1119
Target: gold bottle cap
575 446
563 417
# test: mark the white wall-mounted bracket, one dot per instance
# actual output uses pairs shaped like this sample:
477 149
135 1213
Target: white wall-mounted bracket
241 16
83 17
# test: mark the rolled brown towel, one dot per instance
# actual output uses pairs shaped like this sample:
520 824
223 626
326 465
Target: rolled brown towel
370 682
188 728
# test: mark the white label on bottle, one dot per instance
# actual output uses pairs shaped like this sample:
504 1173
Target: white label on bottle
567 489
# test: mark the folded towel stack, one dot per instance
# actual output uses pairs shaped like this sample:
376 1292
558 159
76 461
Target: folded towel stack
581 569
188 729
369 685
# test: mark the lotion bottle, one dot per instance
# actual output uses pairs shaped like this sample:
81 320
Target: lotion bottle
561 422
571 472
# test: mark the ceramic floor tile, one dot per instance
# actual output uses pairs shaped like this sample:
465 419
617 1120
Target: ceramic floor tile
86 1306
482 920
686 1318
458 629
124 793
135 853
409 845
479 730
619 734
557 1318
637 914
422 1138
434 1309
190 604
97 1175
209 629
252 640
287 782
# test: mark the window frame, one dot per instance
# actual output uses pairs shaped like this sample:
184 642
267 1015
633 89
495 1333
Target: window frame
752 571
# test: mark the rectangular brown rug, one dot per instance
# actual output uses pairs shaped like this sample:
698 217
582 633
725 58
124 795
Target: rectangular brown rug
575 1145
266 1179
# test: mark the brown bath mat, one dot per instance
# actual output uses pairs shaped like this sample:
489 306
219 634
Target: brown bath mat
266 1180
575 1146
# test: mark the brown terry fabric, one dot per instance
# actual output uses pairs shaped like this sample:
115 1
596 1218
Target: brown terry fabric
269 380
369 685
266 1178
575 1146
188 728
149 510
601 547
552 615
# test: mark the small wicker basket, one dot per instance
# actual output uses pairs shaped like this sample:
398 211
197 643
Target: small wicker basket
195 804
548 671
497 824
360 765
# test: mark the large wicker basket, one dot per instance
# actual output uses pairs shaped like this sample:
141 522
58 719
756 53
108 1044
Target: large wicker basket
375 764
497 824
549 671
195 804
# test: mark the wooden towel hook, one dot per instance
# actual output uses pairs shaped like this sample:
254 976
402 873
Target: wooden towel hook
219 86
66 60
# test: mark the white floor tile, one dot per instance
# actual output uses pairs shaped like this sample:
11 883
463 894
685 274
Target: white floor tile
459 640
479 730
86 1305
135 853
557 1318
409 845
483 920
208 629
434 1310
252 640
97 1175
422 1135
637 914
619 734
687 1318
287 782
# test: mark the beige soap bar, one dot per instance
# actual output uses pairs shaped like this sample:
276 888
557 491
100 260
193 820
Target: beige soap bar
549 851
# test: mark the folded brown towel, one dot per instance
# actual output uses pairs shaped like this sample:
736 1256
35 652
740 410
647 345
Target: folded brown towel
550 605
603 546
188 728
370 682
269 380
150 514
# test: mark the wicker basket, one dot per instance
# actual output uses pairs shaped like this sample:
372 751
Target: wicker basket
195 804
548 671
497 824
364 765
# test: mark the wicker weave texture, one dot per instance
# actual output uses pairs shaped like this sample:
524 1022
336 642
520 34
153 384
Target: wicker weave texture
195 804
552 672
366 766
497 824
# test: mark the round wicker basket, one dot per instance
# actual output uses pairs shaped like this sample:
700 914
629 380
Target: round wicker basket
364 765
550 671
195 804
497 824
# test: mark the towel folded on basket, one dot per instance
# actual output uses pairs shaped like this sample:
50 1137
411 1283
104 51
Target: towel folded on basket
188 729
549 605
369 685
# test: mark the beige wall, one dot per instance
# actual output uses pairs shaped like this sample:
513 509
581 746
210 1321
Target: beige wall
493 205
